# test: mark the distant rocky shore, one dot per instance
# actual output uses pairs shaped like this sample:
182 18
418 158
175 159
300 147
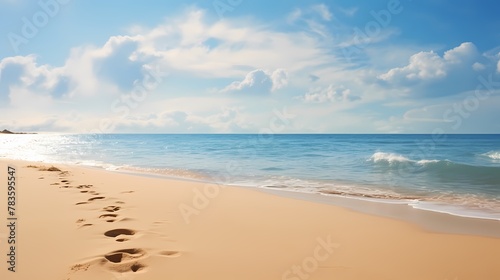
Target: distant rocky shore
5 131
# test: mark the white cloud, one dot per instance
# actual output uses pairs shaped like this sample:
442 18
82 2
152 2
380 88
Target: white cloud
428 74
259 82
279 78
429 65
23 72
330 93
423 65
210 49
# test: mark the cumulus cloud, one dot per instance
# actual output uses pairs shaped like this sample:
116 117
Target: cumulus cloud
209 49
259 82
24 72
330 94
429 65
430 74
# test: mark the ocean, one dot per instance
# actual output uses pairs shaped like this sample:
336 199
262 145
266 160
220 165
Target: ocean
455 174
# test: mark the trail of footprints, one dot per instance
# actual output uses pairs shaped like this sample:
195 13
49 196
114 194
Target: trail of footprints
126 260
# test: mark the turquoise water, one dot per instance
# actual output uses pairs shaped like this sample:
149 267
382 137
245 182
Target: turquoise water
457 174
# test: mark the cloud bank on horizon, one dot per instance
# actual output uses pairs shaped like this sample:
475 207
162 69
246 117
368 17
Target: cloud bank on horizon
391 66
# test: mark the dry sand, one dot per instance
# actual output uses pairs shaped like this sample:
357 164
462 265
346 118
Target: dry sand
93 224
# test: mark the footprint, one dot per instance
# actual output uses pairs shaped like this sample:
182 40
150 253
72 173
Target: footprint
121 239
124 255
108 216
80 203
96 198
64 181
111 208
125 260
119 231
84 191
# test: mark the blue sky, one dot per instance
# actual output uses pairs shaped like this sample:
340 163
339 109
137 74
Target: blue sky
239 66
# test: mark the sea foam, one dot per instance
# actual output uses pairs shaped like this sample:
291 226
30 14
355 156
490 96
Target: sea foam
493 154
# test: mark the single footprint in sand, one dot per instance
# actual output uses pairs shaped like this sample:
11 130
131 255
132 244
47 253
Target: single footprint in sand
122 261
96 198
125 260
83 202
124 255
118 232
110 218
103 216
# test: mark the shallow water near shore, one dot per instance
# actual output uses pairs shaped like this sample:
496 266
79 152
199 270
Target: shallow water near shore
456 174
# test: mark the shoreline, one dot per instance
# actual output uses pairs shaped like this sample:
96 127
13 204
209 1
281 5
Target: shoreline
430 220
390 208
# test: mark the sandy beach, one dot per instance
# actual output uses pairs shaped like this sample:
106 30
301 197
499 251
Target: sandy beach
83 223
